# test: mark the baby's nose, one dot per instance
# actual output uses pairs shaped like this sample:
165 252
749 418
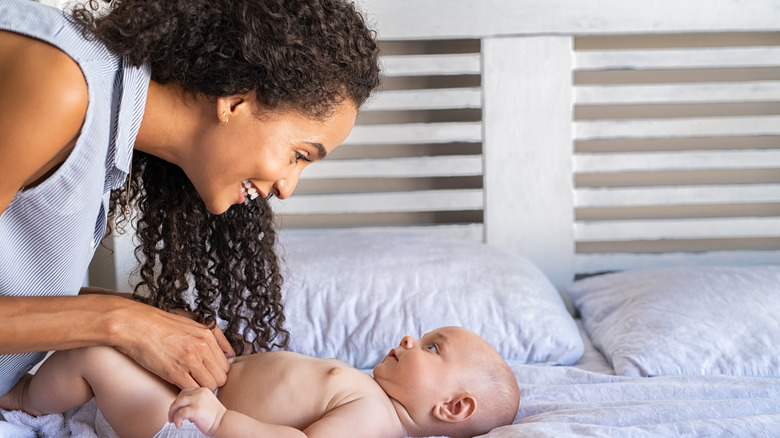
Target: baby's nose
407 342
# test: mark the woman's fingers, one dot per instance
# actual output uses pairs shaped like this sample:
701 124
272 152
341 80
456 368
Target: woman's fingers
181 351
201 360
223 343
219 336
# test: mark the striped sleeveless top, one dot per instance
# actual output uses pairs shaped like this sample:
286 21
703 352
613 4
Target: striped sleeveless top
48 234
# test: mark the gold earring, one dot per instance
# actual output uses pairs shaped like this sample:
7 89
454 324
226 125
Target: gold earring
223 120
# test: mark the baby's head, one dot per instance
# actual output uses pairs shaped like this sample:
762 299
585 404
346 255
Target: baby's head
451 382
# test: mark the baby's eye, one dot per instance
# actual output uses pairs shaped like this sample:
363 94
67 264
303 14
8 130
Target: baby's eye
433 347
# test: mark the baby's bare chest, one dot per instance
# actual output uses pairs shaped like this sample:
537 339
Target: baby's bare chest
291 389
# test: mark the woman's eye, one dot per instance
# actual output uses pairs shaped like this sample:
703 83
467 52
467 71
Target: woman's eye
300 156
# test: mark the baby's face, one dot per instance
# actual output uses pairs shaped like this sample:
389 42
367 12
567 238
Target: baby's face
419 373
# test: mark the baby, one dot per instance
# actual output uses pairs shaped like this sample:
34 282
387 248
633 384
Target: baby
451 382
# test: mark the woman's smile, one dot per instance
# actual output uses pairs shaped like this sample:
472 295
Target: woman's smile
249 190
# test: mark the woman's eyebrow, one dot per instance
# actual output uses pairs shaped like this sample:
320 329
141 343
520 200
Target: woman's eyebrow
321 152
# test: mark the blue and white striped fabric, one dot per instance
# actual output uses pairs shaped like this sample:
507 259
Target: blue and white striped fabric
48 234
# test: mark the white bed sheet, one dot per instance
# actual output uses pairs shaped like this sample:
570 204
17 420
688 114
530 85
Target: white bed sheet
583 400
589 400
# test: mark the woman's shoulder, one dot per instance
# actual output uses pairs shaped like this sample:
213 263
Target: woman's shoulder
39 86
40 70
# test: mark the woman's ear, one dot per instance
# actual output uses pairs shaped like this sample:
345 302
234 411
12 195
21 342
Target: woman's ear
461 408
227 105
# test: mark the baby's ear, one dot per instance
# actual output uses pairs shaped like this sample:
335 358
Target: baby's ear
461 408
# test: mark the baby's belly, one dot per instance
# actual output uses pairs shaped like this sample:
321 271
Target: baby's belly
282 389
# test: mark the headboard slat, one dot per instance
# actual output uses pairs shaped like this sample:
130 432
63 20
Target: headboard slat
681 127
679 195
473 232
449 98
757 91
699 228
423 200
407 167
416 133
591 263
659 161
684 58
431 19
437 65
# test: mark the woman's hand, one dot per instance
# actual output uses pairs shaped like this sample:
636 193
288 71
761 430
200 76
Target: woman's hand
217 331
182 379
176 348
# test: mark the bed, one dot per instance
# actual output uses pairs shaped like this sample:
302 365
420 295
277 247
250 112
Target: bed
592 186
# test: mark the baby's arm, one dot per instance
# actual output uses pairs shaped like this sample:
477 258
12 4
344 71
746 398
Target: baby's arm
201 406
363 417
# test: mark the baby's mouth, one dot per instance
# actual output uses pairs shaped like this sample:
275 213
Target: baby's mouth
248 189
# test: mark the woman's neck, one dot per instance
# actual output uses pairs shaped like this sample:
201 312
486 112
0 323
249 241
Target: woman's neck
171 118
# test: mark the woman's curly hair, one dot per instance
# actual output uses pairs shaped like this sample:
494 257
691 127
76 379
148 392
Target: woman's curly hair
301 55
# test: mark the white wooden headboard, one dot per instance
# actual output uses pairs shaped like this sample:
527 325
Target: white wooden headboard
587 135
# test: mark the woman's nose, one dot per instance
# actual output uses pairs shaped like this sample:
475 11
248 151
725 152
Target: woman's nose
283 188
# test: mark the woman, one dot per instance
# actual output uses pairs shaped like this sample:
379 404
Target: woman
194 111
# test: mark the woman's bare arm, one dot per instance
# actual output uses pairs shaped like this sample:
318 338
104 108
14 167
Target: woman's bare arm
174 347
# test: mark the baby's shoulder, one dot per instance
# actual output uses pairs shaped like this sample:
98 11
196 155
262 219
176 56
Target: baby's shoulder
364 406
354 385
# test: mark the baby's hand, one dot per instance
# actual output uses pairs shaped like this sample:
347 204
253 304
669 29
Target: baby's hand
200 406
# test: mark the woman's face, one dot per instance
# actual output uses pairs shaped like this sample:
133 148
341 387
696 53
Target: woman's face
266 152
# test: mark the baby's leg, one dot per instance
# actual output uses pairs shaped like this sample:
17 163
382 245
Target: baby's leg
134 401
43 392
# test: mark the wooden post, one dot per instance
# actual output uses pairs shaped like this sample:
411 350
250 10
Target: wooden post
527 112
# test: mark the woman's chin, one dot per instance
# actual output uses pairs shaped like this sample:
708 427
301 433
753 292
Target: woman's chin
219 207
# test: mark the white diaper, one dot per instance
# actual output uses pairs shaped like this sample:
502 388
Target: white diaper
188 430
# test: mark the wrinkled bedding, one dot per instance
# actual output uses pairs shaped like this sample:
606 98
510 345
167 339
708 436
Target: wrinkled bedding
390 286
573 402
583 400
82 422
589 400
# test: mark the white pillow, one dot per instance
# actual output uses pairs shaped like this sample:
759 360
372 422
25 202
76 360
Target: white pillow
354 295
685 321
